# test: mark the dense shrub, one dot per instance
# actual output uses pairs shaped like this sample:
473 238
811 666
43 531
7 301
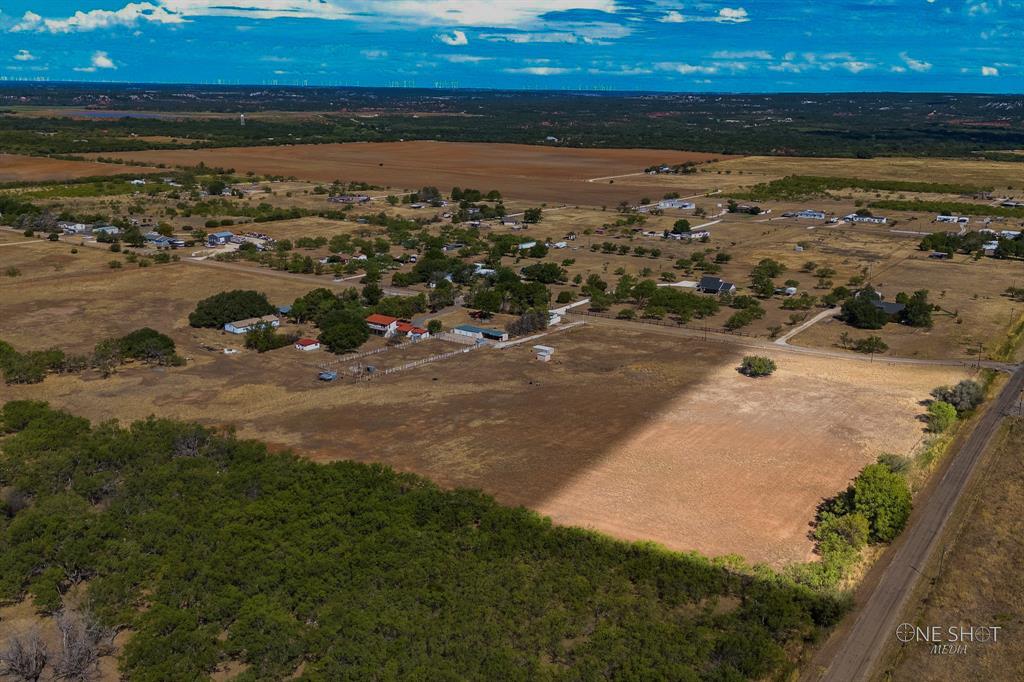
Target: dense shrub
229 306
757 366
965 396
941 416
883 498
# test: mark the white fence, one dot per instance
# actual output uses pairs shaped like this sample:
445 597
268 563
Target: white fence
375 351
416 363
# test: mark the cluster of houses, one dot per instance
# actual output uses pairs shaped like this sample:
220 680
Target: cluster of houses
387 326
71 228
953 219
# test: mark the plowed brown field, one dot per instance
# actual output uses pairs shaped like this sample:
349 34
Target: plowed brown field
18 168
552 174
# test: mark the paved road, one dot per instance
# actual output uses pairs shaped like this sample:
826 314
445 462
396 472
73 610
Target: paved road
758 344
856 655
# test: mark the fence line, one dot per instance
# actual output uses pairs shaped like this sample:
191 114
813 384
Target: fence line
417 363
375 351
551 330
666 323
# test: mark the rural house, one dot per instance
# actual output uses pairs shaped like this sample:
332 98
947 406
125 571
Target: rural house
715 285
411 331
247 325
677 204
874 219
384 325
307 344
219 238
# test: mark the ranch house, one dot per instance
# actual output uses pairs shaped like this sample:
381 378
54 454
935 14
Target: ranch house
383 325
247 325
715 285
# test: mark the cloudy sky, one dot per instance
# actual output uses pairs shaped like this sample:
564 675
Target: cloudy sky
739 45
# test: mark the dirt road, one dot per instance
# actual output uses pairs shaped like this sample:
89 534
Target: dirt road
856 653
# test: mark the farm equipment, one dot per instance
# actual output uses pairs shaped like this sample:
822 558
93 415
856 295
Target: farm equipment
327 375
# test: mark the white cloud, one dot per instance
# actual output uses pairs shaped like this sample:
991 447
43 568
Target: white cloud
455 38
686 69
129 15
915 64
898 69
726 15
496 13
856 66
540 70
989 71
743 54
24 56
464 58
374 54
737 15
100 60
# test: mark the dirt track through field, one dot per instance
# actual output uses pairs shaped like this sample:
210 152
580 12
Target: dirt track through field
535 173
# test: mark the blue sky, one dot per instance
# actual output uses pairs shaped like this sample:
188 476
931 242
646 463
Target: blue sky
739 45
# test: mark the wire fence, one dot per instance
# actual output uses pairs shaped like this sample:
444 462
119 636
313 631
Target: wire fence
666 323
417 363
376 351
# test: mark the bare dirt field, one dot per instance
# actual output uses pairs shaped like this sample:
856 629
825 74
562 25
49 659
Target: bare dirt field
978 583
730 174
684 451
554 174
17 168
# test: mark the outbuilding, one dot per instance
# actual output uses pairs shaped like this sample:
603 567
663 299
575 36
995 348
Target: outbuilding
219 238
247 325
475 332
307 344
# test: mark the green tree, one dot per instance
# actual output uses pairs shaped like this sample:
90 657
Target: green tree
229 306
532 215
941 416
883 498
757 366
343 330
917 311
